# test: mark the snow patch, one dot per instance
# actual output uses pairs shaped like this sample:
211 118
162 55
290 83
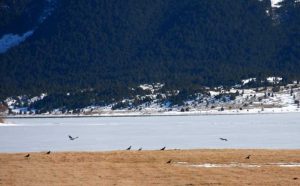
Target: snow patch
146 87
275 3
47 11
152 87
209 165
10 40
274 80
214 93
290 165
239 165
246 81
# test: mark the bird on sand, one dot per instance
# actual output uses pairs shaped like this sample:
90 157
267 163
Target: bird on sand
129 148
168 162
27 156
140 149
163 148
48 152
223 139
248 157
73 138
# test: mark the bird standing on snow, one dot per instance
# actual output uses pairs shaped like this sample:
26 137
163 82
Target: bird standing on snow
71 138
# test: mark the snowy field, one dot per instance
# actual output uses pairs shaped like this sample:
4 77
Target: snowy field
274 131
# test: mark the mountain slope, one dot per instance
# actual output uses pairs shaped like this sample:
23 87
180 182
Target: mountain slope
109 46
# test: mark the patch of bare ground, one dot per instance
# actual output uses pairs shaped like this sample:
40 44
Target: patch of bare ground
149 168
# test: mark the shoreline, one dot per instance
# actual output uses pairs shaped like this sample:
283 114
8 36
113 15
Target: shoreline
156 150
201 113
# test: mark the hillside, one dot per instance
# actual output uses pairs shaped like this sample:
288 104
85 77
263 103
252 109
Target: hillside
103 48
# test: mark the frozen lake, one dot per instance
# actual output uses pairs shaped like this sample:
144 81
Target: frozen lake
276 131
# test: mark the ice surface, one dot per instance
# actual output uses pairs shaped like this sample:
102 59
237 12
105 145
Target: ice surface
274 131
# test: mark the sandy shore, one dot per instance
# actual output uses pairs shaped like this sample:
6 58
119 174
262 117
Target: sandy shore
188 167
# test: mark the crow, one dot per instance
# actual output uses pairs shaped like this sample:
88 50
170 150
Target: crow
248 157
27 156
163 148
168 162
223 139
140 149
48 152
72 138
129 148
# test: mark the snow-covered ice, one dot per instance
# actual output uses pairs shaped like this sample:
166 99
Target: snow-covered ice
275 131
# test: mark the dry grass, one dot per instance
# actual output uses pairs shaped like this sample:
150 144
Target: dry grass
148 168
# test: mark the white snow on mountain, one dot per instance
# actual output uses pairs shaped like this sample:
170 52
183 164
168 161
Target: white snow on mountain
10 40
47 11
275 3
246 81
152 87
274 79
274 98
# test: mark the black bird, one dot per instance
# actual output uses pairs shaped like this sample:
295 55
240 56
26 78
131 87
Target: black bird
248 157
48 152
223 139
129 148
72 138
168 162
27 156
295 178
140 149
163 148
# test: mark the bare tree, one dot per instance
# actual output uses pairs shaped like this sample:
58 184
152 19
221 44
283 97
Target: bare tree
3 108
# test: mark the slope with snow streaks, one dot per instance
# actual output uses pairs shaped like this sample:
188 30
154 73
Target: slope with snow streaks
10 40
